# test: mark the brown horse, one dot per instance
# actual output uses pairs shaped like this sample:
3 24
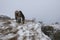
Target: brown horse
20 18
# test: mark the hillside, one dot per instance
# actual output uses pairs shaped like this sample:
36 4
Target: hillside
10 30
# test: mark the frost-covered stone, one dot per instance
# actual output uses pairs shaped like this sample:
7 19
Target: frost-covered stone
27 31
3 17
31 31
7 31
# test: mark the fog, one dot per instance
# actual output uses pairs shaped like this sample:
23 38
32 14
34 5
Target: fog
47 11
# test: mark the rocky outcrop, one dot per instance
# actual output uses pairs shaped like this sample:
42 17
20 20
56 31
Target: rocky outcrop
31 31
11 30
3 17
57 35
52 31
7 31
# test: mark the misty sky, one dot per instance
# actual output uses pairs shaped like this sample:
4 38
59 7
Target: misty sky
47 11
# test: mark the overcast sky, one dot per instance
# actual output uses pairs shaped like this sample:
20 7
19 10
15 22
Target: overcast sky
47 11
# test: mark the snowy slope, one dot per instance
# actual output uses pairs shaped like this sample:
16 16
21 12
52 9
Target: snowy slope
27 31
31 31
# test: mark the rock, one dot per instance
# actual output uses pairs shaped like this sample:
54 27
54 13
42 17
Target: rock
27 31
8 31
48 30
57 35
3 17
31 31
52 31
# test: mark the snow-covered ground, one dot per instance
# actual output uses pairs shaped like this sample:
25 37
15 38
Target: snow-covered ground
29 31
55 26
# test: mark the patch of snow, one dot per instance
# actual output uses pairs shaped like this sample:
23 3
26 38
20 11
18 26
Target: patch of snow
28 31
31 31
56 26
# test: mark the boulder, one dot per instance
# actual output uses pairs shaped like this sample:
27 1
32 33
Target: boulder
3 17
